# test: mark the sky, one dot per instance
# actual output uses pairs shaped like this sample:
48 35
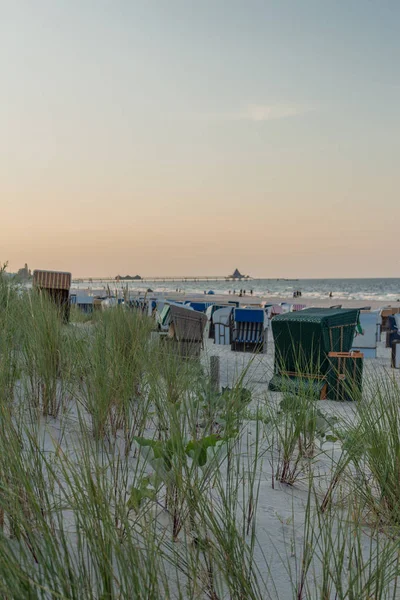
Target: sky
183 137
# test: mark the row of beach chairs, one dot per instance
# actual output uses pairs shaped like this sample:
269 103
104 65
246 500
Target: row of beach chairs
244 329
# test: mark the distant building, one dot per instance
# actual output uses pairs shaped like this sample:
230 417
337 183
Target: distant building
24 273
237 275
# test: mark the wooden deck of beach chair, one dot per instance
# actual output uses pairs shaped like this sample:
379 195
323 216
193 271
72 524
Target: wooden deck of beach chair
247 333
57 285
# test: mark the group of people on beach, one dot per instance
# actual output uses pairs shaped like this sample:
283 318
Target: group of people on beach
241 293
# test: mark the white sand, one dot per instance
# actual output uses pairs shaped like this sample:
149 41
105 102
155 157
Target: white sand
281 511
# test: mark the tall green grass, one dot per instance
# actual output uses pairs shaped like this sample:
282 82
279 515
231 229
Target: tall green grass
125 474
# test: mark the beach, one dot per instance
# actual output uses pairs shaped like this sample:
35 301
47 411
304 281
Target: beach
253 300
200 300
137 458
314 290
244 300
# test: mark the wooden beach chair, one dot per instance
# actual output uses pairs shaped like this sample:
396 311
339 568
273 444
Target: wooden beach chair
186 330
57 285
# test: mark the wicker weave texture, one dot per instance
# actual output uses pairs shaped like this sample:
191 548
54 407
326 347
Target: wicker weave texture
187 325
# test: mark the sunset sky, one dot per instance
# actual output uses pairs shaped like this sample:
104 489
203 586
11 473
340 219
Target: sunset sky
180 137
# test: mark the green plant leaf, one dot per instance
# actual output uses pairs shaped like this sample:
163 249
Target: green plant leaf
197 449
138 494
160 449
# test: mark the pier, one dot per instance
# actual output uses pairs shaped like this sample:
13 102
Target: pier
177 279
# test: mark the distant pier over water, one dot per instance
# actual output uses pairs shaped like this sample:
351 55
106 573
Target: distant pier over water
181 278
236 276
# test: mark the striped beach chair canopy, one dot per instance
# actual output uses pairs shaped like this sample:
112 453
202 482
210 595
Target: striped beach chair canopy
296 307
276 309
52 280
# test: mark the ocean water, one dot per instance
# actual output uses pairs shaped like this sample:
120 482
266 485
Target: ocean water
342 289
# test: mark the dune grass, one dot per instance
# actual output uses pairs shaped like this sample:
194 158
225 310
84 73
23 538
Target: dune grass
125 474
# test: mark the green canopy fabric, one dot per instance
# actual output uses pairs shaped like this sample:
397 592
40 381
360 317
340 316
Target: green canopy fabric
164 314
304 338
299 386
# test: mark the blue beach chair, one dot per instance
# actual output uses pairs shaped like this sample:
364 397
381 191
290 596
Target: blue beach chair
248 329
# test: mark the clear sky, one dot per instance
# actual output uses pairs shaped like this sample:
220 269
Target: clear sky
184 137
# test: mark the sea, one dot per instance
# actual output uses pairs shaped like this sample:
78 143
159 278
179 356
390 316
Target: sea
387 290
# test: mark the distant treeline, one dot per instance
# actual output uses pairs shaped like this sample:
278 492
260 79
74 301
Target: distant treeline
121 277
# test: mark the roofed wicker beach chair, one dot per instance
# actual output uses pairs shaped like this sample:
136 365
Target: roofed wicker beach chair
186 330
248 329
140 305
199 306
367 336
303 342
297 307
387 312
392 330
57 285
83 302
275 309
222 325
210 312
